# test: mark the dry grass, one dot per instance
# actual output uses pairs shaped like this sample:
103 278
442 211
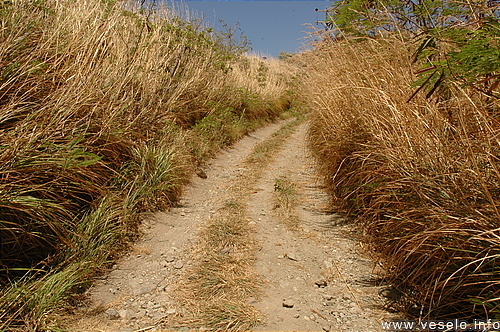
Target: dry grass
285 202
104 112
422 177
217 287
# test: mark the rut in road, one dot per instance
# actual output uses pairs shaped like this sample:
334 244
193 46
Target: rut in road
232 256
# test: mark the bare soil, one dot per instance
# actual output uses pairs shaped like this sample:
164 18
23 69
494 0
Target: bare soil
317 277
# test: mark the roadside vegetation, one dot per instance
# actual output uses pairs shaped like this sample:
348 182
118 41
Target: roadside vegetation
106 109
405 129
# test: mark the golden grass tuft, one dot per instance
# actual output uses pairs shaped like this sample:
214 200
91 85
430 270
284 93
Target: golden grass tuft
285 202
421 177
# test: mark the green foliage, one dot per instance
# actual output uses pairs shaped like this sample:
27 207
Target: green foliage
352 17
262 74
455 42
467 55
232 39
222 127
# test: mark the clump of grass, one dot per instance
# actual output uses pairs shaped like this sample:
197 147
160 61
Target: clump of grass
285 202
218 285
225 315
99 105
420 176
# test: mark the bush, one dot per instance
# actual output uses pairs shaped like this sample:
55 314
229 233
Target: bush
420 178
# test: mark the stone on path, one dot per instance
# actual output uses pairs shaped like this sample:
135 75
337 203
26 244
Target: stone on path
288 303
112 314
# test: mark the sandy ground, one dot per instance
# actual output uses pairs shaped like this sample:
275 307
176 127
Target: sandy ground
317 278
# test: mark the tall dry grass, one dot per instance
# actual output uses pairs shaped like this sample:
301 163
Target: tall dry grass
421 178
105 108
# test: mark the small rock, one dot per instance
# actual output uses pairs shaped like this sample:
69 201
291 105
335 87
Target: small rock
114 290
112 314
281 257
157 315
356 310
141 313
171 311
170 259
163 263
288 303
142 289
292 256
326 328
327 297
312 317
201 174
123 313
283 284
183 214
178 265
321 283
296 316
131 314
251 300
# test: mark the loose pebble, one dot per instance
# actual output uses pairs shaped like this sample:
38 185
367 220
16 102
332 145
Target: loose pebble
288 303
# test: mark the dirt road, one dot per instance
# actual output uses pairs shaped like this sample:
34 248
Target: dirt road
313 273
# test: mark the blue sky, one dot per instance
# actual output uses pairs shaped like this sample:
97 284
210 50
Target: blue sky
271 26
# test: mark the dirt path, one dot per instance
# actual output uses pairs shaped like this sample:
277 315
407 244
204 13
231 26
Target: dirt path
316 278
319 268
